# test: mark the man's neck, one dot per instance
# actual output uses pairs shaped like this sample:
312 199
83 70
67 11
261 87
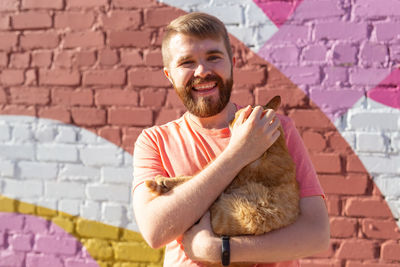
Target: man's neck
219 121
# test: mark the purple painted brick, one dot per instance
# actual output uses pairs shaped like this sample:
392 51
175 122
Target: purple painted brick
313 9
344 54
373 54
80 263
11 221
340 30
395 53
303 75
370 76
20 242
387 31
314 53
36 260
2 238
291 34
286 54
55 244
372 8
11 258
335 76
35 225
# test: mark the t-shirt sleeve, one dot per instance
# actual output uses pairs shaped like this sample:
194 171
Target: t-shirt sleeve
147 162
305 171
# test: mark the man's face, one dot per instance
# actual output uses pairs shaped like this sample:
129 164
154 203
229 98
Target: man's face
201 73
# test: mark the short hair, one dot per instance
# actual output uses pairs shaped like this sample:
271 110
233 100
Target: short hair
196 24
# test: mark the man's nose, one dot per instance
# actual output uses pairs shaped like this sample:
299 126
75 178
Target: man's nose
202 70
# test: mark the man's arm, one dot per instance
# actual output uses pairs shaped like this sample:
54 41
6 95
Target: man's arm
308 235
164 218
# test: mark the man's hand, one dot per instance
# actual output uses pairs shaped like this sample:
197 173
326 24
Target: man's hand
254 131
200 243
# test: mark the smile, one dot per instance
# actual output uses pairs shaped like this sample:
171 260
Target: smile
204 87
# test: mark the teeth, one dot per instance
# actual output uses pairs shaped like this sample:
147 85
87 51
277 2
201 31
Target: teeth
205 86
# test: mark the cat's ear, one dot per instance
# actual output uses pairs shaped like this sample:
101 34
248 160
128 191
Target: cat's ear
274 103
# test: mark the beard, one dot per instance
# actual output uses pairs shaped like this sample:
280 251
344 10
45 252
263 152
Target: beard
206 106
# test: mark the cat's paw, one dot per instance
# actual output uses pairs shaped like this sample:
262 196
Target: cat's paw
157 186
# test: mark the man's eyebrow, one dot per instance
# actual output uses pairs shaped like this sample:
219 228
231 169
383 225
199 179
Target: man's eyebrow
215 51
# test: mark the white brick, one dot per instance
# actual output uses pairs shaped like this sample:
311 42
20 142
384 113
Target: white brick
39 170
61 190
5 132
22 188
110 155
66 134
395 207
61 153
373 121
246 35
70 206
113 213
79 172
22 133
17 151
108 192
86 137
7 168
381 164
90 210
370 142
45 133
228 14
184 4
389 186
47 203
117 175
395 142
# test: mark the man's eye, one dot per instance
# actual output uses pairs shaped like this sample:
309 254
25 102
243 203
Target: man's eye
213 58
186 63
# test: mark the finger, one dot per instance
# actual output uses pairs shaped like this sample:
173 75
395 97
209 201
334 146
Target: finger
243 115
256 113
272 125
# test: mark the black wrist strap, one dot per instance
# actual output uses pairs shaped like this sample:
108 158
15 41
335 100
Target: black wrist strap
226 251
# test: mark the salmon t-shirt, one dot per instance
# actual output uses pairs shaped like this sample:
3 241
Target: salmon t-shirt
182 147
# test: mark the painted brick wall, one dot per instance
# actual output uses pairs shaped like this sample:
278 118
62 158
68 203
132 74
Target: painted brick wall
79 80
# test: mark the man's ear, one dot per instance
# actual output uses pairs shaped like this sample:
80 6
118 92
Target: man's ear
233 61
167 74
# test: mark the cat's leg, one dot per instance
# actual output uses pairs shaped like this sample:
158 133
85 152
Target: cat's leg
161 184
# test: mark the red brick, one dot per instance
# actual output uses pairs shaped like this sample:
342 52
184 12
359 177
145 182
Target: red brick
84 58
121 20
314 141
51 4
29 95
139 39
74 20
18 110
70 97
85 39
9 5
108 57
242 97
333 205
354 164
357 250
152 97
3 96
131 58
86 4
157 17
249 76
343 227
112 134
380 229
147 78
19 60
129 137
12 77
59 77
352 184
35 40
31 77
3 59
41 58
372 263
337 142
4 22
63 59
153 58
55 113
320 263
130 116
173 100
8 40
104 77
88 116
167 115
31 20
367 207
290 94
326 162
116 97
305 118
390 250
134 3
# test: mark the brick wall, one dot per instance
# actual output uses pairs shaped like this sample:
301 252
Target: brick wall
79 80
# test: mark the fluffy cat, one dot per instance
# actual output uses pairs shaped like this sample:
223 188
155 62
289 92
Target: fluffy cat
264 195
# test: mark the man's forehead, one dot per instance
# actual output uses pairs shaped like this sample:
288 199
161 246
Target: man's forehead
186 44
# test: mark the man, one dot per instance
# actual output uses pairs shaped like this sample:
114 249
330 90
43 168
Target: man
198 62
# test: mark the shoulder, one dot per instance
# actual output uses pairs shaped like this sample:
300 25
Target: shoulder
156 131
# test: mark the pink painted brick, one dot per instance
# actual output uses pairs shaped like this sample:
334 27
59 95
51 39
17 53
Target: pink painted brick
315 53
55 244
80 263
344 54
307 75
387 31
35 260
35 225
11 221
286 54
11 258
21 242
339 30
395 53
314 9
291 34
372 8
374 54
370 76
2 238
335 75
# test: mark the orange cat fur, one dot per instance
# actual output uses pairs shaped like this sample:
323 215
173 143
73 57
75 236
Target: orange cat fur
264 196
